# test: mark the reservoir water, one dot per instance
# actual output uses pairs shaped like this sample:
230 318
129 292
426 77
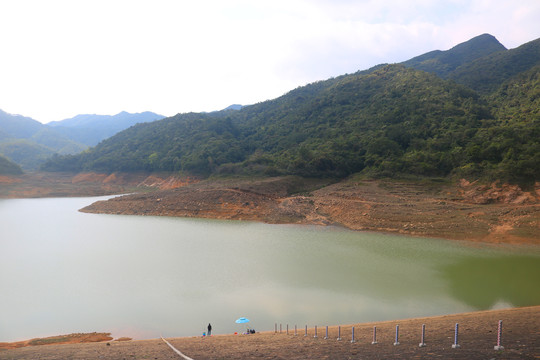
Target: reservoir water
62 271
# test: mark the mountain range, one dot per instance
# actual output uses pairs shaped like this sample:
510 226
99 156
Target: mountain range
91 129
470 111
445 63
29 143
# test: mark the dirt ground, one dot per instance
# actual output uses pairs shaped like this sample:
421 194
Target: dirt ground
477 339
59 339
464 211
38 185
492 213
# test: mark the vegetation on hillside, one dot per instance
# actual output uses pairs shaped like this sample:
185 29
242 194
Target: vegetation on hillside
444 63
508 147
91 129
385 121
29 143
487 73
9 168
28 154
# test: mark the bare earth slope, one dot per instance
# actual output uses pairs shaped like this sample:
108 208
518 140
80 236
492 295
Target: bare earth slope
495 213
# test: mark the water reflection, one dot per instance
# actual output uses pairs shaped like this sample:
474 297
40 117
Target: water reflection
484 282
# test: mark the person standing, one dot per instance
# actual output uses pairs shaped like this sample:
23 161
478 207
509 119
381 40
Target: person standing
209 329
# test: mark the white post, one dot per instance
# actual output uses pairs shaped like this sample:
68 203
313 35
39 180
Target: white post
326 337
374 336
499 334
422 343
315 332
456 345
287 329
306 331
295 334
397 336
352 340
339 333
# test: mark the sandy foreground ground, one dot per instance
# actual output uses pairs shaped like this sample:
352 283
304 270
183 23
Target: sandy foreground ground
477 338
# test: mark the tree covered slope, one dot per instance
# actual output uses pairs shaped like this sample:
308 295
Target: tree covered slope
30 143
444 63
487 73
389 120
8 167
91 129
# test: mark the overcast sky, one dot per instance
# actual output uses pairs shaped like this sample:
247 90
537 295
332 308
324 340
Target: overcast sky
60 58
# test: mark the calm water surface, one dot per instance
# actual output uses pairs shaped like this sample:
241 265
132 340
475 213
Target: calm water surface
62 271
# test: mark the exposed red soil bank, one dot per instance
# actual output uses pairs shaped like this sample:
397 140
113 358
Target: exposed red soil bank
495 213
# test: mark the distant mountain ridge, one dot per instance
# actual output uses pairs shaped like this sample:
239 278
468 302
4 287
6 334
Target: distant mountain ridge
387 120
443 63
438 114
481 63
8 167
487 73
91 129
30 143
234 107
18 126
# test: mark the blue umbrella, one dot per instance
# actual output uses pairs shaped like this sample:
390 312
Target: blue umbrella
242 320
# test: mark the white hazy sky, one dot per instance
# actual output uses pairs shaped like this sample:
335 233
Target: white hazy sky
60 58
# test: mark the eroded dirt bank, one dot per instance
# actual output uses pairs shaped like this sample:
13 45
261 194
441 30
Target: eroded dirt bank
494 213
37 185
59 339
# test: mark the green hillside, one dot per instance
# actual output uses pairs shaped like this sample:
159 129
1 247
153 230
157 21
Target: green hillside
91 129
59 144
487 73
443 63
29 143
388 121
27 154
481 63
509 146
17 126
9 168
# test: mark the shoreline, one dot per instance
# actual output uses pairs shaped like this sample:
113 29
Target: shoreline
493 214
478 336
398 208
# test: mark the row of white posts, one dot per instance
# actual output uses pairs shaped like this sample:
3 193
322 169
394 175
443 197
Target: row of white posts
455 345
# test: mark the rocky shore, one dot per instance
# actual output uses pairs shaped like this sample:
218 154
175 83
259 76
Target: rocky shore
464 211
491 213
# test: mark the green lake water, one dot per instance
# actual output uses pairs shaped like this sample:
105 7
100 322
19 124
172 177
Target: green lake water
62 271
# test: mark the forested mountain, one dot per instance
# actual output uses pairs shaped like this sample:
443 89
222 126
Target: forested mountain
17 126
487 73
28 154
481 63
234 107
29 143
9 168
388 120
443 63
91 129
